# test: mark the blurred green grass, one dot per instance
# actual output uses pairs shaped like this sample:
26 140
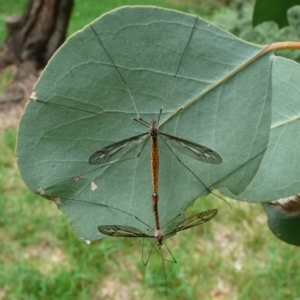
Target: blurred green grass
234 256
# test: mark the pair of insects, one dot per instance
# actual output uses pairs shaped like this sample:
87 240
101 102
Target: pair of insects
114 152
191 149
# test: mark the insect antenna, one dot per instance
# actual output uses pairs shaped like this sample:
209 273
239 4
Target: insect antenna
142 121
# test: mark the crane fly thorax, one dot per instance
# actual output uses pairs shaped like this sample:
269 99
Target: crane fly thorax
153 130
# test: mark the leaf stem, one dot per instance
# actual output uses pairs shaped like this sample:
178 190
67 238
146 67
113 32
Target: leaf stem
281 46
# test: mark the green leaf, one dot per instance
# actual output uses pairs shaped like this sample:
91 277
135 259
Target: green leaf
284 227
272 10
278 176
220 98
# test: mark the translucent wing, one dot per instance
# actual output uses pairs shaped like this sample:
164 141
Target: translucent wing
114 151
192 149
195 220
122 231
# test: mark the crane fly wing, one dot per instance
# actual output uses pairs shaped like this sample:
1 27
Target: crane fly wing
114 151
195 220
192 149
122 231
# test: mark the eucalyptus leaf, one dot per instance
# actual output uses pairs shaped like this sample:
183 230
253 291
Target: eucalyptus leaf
278 175
214 89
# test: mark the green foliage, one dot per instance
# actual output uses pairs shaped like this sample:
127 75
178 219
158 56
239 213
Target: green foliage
84 12
5 79
272 10
235 256
81 104
8 8
237 19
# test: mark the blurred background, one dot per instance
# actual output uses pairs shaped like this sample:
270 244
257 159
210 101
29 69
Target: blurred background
234 256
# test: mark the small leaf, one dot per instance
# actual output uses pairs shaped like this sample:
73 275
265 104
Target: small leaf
286 228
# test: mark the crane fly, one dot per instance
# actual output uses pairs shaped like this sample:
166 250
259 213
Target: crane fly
113 152
157 234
